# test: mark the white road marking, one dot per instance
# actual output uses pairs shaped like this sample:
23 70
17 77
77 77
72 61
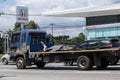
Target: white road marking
56 71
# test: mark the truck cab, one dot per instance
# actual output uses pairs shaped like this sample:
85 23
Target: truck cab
29 41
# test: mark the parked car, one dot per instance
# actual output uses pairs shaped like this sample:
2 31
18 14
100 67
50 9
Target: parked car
87 45
115 42
5 59
96 44
93 44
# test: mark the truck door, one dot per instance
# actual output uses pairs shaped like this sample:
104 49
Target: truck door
23 46
15 42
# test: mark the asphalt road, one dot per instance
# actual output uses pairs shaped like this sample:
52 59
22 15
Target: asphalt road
58 72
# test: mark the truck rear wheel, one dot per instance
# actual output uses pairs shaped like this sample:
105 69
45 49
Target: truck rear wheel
84 62
40 64
20 63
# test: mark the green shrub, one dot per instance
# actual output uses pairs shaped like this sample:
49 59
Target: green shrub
1 56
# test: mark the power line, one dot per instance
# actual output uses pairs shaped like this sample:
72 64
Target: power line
64 26
2 0
5 26
10 14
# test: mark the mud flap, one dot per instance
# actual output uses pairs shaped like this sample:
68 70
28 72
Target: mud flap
27 60
97 59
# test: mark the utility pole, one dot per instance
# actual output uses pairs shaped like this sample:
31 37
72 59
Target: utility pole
52 25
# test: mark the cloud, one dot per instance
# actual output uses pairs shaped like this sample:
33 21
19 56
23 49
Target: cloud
100 2
38 6
43 5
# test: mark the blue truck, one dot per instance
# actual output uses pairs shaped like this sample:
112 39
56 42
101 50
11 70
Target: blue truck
26 49
26 41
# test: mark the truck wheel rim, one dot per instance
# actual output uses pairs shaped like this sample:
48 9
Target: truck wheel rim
82 63
4 61
20 63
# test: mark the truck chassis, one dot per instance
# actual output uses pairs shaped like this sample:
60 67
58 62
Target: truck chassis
85 59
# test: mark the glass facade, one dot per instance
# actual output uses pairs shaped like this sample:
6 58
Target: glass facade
110 32
99 31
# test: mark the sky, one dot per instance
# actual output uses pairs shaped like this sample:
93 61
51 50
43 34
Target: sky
38 6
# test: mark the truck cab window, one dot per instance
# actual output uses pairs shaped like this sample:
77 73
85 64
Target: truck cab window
15 38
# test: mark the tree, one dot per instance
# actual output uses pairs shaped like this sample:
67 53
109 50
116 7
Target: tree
30 25
78 39
17 26
9 32
61 39
65 39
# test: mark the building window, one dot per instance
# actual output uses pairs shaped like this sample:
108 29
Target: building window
91 33
99 33
106 32
113 31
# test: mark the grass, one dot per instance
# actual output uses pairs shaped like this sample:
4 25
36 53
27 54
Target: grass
1 56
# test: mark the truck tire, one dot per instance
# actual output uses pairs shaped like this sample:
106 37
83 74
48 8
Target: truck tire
84 63
68 62
20 63
5 61
40 64
104 64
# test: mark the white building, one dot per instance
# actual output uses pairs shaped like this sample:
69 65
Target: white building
108 27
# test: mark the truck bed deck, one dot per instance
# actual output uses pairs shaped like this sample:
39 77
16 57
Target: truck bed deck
78 51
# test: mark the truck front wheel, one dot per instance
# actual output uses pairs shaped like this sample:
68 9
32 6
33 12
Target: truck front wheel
4 61
20 63
40 64
84 62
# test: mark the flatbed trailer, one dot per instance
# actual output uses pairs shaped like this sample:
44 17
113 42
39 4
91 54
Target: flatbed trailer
27 46
85 59
77 51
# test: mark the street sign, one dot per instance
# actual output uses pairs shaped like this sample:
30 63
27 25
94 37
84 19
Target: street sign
22 14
